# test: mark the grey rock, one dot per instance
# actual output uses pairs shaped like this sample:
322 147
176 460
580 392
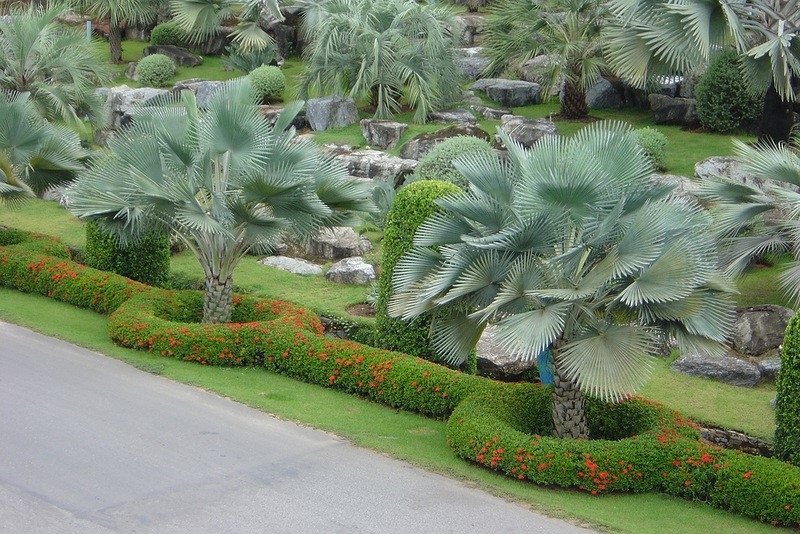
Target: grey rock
669 110
471 62
470 98
669 86
375 164
351 271
511 93
331 112
419 145
122 99
203 90
381 133
683 186
760 329
527 131
271 113
337 243
726 369
495 362
536 70
769 367
469 28
180 56
453 115
603 94
292 265
130 71
492 114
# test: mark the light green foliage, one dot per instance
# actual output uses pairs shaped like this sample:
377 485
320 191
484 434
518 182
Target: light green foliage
167 33
386 51
787 408
237 59
654 144
146 261
437 163
723 103
155 70
268 83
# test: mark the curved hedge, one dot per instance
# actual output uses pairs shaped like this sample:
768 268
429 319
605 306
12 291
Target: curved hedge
644 447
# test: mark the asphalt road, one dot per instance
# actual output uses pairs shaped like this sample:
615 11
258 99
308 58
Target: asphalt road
90 444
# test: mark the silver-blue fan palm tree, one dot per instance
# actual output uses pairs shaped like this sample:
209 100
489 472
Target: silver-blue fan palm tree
568 246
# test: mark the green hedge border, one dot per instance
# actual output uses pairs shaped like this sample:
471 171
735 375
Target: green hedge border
494 424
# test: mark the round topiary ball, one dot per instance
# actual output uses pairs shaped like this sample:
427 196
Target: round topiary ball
268 83
654 144
437 164
167 33
154 70
723 102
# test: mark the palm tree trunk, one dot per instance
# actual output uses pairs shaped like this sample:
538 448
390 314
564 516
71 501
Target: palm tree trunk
217 300
573 105
115 42
569 410
776 119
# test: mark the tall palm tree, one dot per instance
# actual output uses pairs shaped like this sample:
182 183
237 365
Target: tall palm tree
34 154
651 37
568 246
225 182
567 31
53 63
383 50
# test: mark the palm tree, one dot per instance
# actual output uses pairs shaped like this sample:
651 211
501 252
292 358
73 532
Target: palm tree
53 63
568 246
34 154
652 37
225 182
567 31
383 50
202 19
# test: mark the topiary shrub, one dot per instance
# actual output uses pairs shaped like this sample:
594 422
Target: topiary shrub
654 144
167 33
723 102
787 407
155 70
412 205
268 83
437 164
235 59
146 261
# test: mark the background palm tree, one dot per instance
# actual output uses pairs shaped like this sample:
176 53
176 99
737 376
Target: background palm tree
651 37
226 183
383 50
568 246
567 31
34 154
54 63
203 19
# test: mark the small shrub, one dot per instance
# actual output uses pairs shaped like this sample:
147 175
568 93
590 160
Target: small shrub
246 62
654 144
167 33
146 261
268 82
723 102
155 70
437 164
787 407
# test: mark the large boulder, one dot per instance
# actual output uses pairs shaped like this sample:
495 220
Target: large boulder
375 164
271 114
122 99
471 62
489 113
669 110
682 186
726 369
180 56
604 94
382 133
203 89
449 116
336 243
527 131
536 70
331 112
495 362
292 265
512 93
419 145
351 271
469 29
760 329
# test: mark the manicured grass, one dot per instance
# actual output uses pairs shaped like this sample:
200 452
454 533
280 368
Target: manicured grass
45 218
398 434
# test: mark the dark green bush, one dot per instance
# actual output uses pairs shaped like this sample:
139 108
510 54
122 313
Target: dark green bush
723 102
167 33
155 70
146 261
654 144
412 205
437 164
268 83
246 62
787 407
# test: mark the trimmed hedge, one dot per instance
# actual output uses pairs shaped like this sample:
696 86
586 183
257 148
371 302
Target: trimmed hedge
146 261
498 425
268 83
154 70
167 33
723 101
437 163
654 144
787 407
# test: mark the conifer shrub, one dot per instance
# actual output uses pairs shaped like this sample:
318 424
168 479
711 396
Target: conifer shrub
723 102
787 406
167 33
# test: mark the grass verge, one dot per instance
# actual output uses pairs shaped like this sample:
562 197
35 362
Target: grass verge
401 435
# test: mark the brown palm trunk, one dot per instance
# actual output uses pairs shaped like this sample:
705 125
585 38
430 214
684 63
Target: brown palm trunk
217 300
115 42
573 105
569 410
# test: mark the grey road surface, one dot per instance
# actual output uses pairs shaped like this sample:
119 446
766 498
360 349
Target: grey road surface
89 444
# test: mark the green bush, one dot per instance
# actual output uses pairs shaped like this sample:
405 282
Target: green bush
412 205
723 102
437 164
268 83
654 144
787 407
155 70
235 59
146 261
167 33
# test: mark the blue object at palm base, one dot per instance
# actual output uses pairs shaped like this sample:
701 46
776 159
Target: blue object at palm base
544 362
